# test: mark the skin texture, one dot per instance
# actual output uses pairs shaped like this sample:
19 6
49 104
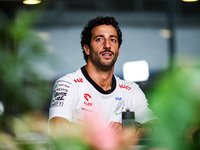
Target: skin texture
102 55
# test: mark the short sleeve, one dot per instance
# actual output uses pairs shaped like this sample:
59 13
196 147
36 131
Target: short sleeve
63 99
140 106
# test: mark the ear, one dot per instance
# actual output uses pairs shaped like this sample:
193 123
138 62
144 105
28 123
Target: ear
118 51
87 49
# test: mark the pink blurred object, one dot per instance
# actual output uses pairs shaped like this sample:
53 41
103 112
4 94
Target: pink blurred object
98 135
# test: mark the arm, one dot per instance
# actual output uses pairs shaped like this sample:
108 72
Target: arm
143 113
57 125
115 127
61 107
147 127
61 127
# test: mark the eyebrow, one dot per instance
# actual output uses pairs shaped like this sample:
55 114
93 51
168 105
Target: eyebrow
103 36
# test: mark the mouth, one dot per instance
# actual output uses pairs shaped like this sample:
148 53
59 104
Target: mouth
107 54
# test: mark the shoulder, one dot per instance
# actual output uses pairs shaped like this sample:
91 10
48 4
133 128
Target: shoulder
66 85
70 78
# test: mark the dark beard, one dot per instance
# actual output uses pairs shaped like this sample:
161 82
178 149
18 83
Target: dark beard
100 65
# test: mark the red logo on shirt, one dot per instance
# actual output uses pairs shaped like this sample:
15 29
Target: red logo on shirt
87 104
78 80
87 96
124 87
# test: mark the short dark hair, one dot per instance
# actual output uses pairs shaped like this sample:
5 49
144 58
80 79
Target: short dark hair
86 33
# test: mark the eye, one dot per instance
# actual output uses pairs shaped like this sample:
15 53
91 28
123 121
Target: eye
99 39
114 40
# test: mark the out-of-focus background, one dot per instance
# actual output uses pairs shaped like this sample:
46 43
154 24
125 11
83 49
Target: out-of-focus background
153 30
41 42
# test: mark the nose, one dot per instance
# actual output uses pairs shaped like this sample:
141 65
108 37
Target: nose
107 44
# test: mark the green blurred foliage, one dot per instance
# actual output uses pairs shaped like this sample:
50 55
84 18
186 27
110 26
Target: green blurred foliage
70 143
28 132
22 88
175 99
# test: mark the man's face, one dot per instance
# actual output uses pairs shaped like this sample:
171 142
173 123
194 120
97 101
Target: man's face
104 47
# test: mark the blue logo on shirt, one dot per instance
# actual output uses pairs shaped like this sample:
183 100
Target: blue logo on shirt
118 98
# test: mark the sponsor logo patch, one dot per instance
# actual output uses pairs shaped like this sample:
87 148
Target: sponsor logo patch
54 104
118 98
78 80
59 95
62 85
87 97
63 81
62 89
87 103
119 105
124 87
86 109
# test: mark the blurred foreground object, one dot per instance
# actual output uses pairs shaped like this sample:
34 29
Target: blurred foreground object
92 134
128 118
23 89
1 108
28 132
176 101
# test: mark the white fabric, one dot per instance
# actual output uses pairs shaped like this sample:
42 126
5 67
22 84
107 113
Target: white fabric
74 96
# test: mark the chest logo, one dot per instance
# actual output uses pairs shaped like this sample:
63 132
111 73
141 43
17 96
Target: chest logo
118 98
87 97
78 80
124 87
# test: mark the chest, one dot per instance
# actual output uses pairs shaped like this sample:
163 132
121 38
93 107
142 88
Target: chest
107 106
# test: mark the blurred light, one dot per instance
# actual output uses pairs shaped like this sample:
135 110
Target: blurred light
31 2
190 0
43 35
136 71
165 33
1 108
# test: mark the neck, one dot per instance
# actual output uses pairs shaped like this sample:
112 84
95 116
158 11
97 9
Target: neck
101 77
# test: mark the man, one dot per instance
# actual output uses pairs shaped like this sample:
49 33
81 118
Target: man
93 88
